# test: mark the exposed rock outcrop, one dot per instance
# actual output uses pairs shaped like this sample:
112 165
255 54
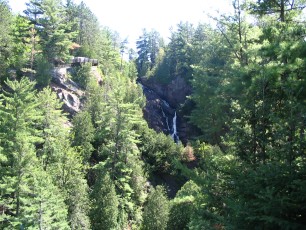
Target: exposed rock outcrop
174 93
67 90
165 100
157 111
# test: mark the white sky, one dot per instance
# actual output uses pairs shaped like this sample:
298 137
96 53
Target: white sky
129 17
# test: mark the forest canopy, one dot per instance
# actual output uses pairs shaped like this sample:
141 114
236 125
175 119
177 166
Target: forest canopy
243 165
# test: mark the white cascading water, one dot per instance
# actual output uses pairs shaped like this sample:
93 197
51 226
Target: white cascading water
166 118
174 134
166 103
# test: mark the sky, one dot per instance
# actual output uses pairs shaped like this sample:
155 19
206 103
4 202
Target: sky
129 17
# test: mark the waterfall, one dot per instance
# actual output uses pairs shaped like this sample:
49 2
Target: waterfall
166 118
174 134
166 103
164 110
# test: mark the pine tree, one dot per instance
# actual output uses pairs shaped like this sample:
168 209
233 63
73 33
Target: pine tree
47 209
55 36
22 47
55 136
61 161
209 93
283 8
143 54
19 114
115 142
148 46
179 51
6 19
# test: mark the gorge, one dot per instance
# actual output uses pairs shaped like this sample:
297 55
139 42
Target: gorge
163 107
159 114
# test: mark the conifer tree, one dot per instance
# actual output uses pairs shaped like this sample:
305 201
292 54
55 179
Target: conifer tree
19 114
6 19
47 210
104 213
62 161
23 50
83 133
54 133
156 211
179 50
48 16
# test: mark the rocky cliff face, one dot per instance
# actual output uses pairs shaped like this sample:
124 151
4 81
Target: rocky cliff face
174 93
162 103
68 91
157 112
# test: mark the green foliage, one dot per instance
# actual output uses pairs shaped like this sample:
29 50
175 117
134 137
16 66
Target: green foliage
156 211
147 48
208 84
39 213
161 71
82 75
182 206
6 19
19 113
48 16
119 150
53 133
43 71
283 8
208 193
83 134
22 46
42 181
27 193
248 93
248 98
179 50
272 200
159 151
114 109
104 212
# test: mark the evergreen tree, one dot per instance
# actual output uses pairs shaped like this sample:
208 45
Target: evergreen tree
47 209
142 60
104 213
147 48
6 19
280 7
182 207
156 211
83 133
48 16
22 48
179 50
115 141
54 135
208 84
43 70
62 162
19 114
